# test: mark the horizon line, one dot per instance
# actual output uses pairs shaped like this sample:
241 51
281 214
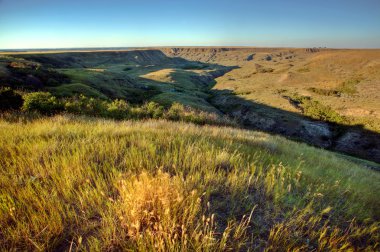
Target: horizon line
206 46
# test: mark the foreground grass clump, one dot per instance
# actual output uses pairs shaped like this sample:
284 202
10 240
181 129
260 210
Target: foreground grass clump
163 212
78 183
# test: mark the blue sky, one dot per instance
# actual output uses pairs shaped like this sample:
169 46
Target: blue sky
117 23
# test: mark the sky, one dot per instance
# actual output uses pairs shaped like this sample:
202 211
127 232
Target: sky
140 23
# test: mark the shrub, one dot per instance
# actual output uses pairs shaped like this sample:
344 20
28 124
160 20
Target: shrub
86 106
326 92
96 107
42 102
74 106
315 109
9 99
153 110
117 109
45 103
175 111
179 112
349 87
194 66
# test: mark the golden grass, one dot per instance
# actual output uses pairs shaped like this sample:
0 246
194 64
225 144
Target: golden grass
164 75
302 72
77 183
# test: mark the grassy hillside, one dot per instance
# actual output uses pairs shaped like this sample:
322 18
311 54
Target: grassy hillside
136 76
77 183
285 90
345 80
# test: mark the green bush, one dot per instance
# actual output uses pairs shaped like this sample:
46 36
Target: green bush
316 110
194 66
42 102
153 110
9 99
118 109
349 87
74 106
179 112
175 111
86 106
45 103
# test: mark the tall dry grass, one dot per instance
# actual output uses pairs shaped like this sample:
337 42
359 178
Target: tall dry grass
84 184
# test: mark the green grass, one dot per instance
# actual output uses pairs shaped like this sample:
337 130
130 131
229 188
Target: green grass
185 87
316 110
195 66
69 90
187 99
114 85
104 78
77 183
349 87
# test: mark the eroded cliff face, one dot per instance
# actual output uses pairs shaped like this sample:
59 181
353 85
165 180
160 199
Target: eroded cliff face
93 59
226 56
354 141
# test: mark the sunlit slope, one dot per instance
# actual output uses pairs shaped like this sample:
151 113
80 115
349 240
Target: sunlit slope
91 184
346 80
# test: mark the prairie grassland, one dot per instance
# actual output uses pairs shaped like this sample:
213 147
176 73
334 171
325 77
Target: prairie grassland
85 184
345 80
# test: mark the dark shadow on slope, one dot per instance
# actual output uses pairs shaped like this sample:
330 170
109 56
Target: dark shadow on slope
353 140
